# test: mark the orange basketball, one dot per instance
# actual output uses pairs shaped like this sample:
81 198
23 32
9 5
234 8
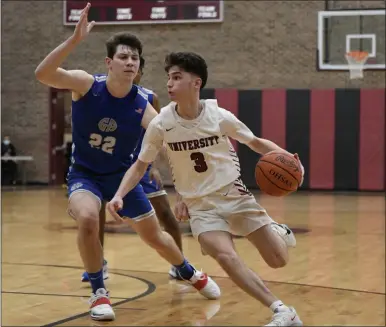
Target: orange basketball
278 173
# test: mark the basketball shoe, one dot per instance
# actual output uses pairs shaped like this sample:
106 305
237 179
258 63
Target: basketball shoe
285 233
285 317
100 306
174 274
205 285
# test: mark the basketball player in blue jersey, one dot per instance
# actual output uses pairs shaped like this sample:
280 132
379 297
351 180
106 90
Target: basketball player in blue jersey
152 188
108 115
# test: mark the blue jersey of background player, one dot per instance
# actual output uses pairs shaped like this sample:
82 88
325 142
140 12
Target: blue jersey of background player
151 187
149 184
108 115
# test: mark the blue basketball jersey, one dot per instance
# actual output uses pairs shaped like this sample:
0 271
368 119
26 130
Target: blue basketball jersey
149 93
106 130
150 98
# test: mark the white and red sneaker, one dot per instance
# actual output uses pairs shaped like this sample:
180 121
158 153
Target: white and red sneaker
285 233
100 306
205 285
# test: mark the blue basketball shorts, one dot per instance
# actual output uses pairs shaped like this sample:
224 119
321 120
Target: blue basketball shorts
135 204
150 187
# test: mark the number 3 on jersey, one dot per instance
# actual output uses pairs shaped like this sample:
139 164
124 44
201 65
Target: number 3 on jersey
107 143
199 160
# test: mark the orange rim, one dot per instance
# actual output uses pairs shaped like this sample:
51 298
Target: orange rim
358 55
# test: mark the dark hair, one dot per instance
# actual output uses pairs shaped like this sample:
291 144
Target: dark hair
122 38
190 62
141 63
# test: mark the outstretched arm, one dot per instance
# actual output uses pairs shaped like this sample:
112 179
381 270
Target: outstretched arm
132 178
234 128
237 130
152 143
48 72
262 146
129 181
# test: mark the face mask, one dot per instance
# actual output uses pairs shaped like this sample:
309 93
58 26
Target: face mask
6 142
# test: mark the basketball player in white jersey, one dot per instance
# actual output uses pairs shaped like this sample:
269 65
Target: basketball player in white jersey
206 174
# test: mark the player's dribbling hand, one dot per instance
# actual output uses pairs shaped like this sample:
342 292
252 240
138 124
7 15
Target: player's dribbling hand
181 211
83 27
301 167
114 206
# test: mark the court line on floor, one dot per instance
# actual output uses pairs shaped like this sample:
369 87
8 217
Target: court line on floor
150 289
157 272
53 294
277 282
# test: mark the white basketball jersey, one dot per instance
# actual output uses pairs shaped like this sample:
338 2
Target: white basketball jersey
201 157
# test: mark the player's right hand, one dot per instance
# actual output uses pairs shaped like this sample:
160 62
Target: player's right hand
181 211
114 206
301 167
83 27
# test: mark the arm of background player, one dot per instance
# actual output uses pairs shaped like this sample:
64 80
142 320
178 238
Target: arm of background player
156 103
152 143
150 113
48 72
237 130
162 154
148 116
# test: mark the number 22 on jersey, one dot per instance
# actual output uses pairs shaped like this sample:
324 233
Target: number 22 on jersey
106 144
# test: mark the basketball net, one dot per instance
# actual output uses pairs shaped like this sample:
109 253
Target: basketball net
356 61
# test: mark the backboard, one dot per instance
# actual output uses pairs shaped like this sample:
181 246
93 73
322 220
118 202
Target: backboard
342 31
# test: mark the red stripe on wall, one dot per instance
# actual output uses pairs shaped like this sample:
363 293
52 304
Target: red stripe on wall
322 135
229 99
372 140
273 116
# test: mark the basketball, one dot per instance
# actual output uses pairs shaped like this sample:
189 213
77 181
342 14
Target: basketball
278 173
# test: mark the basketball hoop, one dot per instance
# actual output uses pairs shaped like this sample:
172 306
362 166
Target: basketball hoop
356 61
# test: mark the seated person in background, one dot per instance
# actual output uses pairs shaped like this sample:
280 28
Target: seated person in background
8 167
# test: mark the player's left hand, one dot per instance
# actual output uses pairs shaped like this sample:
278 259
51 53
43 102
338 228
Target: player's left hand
155 175
83 27
301 167
181 211
114 206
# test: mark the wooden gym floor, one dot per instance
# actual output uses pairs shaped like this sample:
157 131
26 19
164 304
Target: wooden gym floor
336 275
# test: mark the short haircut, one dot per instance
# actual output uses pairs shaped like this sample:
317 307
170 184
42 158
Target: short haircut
190 62
122 38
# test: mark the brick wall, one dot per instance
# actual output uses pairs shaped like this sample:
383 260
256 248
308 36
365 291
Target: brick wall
261 44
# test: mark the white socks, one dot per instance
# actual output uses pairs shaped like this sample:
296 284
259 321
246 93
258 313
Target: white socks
278 306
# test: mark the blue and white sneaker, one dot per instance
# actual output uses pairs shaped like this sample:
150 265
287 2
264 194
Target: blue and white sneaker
85 277
173 273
